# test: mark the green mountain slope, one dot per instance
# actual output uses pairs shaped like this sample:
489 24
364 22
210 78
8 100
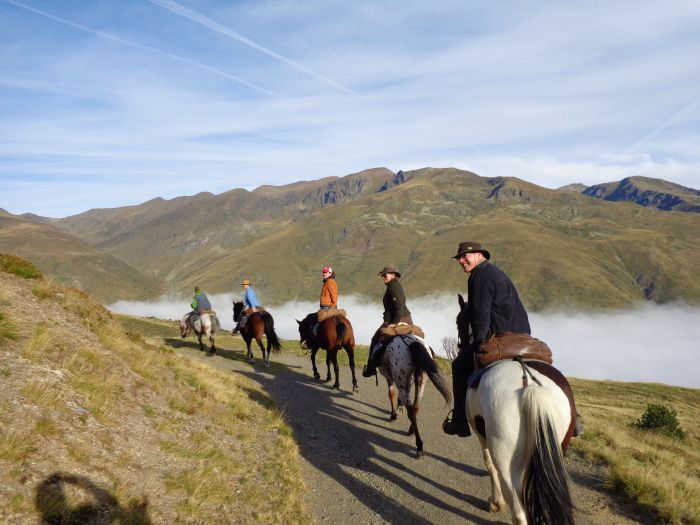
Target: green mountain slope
560 247
72 261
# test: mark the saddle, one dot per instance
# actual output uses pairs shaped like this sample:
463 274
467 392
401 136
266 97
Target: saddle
509 345
249 311
325 313
387 333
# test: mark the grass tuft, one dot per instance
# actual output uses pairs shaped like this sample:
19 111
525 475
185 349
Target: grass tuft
18 266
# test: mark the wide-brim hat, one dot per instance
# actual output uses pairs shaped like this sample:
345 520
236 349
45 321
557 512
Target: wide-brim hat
389 269
245 281
471 247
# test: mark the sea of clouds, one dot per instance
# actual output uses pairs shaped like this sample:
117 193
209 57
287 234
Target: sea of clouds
651 343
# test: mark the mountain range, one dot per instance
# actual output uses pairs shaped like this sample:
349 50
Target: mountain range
609 245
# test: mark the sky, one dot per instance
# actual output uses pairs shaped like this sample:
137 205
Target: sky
108 103
621 345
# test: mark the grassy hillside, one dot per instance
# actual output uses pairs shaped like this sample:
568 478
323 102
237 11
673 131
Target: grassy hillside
98 425
71 261
560 248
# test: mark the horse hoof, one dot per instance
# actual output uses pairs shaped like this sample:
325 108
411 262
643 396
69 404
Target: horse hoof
317 377
495 506
420 454
355 390
267 364
393 416
336 387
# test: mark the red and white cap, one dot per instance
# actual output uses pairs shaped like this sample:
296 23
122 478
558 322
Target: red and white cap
327 269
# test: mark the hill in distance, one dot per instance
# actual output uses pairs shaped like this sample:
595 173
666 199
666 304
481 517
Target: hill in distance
72 261
561 248
649 192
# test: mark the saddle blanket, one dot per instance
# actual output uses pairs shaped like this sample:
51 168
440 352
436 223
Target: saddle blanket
325 313
509 345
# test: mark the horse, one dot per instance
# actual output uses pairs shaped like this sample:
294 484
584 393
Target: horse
257 324
332 334
201 324
406 363
524 415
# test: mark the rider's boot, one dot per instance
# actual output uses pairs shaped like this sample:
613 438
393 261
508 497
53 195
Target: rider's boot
456 427
375 357
235 330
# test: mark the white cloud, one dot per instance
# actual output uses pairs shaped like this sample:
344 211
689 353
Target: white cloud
651 343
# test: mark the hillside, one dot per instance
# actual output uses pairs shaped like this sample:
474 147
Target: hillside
98 426
561 248
72 261
648 192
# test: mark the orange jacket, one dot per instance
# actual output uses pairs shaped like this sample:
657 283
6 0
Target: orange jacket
329 293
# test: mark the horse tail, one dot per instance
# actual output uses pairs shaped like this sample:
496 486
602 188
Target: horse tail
340 330
546 489
425 362
270 332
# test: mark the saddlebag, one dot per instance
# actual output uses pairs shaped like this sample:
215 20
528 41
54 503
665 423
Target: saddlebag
325 313
509 345
389 332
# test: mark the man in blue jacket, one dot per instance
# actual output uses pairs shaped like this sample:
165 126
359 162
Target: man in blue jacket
493 307
250 304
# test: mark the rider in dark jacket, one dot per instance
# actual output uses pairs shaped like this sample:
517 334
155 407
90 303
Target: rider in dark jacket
494 307
395 312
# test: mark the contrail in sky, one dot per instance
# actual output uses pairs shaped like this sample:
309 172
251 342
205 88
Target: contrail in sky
658 129
140 46
214 26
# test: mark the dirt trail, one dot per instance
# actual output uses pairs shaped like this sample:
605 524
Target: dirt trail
360 468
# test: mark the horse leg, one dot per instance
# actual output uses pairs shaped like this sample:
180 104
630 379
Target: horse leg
328 366
412 416
201 345
313 363
258 340
510 469
351 357
496 501
393 400
336 369
249 354
212 350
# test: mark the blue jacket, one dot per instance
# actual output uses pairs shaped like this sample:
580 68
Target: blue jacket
249 299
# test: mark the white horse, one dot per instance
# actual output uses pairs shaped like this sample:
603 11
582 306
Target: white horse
407 363
201 324
524 415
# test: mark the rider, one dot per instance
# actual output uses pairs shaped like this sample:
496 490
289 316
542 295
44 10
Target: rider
200 302
250 301
395 312
329 290
494 307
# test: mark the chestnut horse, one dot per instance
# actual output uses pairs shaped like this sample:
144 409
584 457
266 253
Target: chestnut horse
257 325
524 415
332 334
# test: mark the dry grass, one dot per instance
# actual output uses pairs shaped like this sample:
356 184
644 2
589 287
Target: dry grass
659 472
164 437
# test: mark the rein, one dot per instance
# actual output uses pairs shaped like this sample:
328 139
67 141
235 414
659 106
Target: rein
526 372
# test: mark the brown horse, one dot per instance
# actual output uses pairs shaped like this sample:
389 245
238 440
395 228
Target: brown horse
257 325
332 334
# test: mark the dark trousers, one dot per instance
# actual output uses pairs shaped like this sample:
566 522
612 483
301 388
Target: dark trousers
462 367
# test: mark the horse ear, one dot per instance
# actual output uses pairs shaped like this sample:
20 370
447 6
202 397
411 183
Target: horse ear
461 300
298 321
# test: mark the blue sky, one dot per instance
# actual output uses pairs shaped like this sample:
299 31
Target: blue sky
110 103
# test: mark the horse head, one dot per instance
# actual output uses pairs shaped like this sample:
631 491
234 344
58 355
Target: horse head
306 330
237 310
184 326
462 322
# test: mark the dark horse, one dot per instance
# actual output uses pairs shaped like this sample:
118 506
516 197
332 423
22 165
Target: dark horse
333 334
257 325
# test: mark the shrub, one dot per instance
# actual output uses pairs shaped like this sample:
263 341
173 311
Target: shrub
661 419
11 264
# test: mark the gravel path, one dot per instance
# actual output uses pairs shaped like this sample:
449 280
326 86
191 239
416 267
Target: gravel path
360 468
